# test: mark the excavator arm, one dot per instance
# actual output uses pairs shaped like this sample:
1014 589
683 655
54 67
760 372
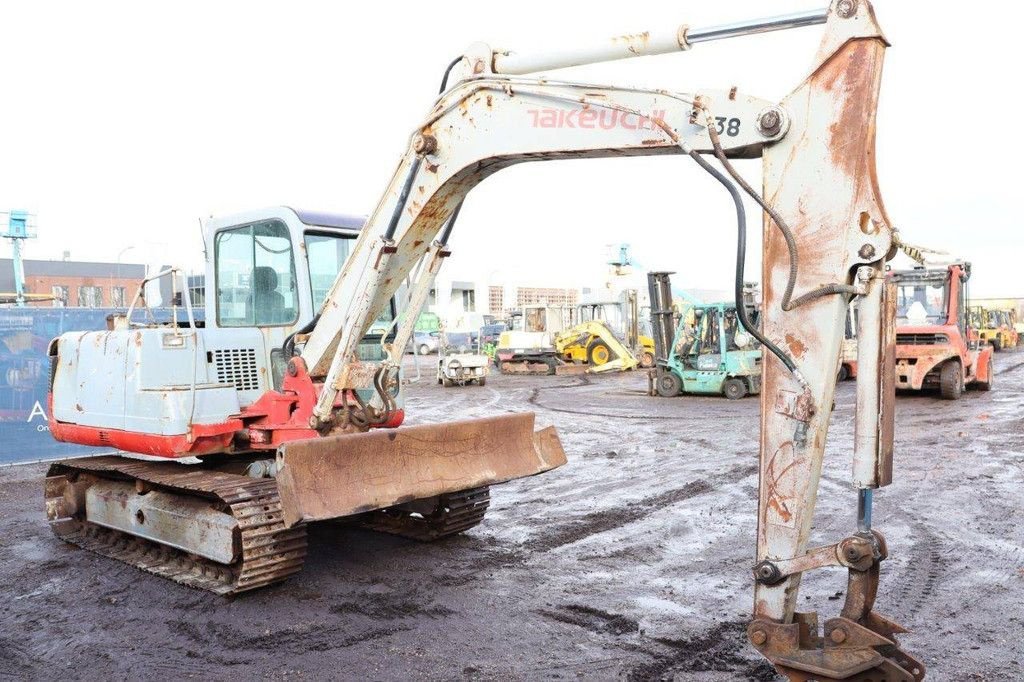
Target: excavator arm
826 238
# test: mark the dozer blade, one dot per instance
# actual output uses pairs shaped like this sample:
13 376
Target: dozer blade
336 476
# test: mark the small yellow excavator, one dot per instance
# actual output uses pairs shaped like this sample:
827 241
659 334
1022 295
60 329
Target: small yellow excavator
622 316
594 346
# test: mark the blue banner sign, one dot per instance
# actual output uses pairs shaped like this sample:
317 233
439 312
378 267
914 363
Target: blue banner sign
25 334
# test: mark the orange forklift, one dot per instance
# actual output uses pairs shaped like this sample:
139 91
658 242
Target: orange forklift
935 346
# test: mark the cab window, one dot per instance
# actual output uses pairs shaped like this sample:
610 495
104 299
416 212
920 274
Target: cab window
255 276
326 254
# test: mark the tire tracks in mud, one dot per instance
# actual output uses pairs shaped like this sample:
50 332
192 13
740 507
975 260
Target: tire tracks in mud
15 657
1007 370
924 569
718 649
604 520
721 648
592 619
295 640
582 381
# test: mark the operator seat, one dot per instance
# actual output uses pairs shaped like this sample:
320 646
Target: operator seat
265 300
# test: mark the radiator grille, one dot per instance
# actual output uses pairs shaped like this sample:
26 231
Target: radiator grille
921 339
237 366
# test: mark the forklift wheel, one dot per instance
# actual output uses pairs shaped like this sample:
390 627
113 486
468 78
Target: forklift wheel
647 359
997 343
669 385
482 381
951 381
734 389
844 374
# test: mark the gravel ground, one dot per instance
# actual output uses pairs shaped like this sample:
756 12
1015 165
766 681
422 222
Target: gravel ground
630 562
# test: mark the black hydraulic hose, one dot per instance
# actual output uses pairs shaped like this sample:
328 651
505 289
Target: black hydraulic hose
447 232
787 233
741 253
448 72
358 418
380 383
403 196
289 346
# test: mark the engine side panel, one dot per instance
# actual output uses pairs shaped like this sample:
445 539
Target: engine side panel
151 381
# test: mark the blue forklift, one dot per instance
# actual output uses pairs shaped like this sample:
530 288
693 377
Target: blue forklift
706 351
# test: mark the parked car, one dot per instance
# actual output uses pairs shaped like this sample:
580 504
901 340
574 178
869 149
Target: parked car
425 343
490 333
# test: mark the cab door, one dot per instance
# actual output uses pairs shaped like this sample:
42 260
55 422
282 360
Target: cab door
257 299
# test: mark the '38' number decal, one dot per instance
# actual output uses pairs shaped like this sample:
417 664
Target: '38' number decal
727 126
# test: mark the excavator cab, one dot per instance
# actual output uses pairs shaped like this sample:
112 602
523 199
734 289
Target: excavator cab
178 390
268 275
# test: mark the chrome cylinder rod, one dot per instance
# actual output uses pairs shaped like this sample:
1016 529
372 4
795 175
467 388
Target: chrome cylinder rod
865 498
661 41
746 28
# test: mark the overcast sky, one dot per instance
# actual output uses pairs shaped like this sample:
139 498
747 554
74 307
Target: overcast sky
123 125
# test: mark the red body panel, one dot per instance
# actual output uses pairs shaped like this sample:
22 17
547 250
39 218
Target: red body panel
277 417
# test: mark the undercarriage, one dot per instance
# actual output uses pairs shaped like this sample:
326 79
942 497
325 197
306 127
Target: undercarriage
213 529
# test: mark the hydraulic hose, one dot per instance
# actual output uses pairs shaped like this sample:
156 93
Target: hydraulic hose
448 72
403 197
289 343
787 232
741 253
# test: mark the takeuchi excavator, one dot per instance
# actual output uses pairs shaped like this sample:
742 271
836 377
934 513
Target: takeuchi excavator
286 409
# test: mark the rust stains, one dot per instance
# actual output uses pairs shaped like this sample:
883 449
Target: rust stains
635 42
851 77
796 346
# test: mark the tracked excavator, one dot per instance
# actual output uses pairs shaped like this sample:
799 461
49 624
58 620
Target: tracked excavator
239 462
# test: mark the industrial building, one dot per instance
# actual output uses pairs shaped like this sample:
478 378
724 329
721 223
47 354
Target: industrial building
82 284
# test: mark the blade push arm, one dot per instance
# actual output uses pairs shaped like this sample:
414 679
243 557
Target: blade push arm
827 237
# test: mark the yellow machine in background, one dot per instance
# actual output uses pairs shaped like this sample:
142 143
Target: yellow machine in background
594 343
621 317
540 342
995 327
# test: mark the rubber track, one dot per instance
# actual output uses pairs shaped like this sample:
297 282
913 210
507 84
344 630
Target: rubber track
455 513
270 552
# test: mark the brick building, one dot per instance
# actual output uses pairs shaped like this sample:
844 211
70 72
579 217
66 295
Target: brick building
503 300
76 283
